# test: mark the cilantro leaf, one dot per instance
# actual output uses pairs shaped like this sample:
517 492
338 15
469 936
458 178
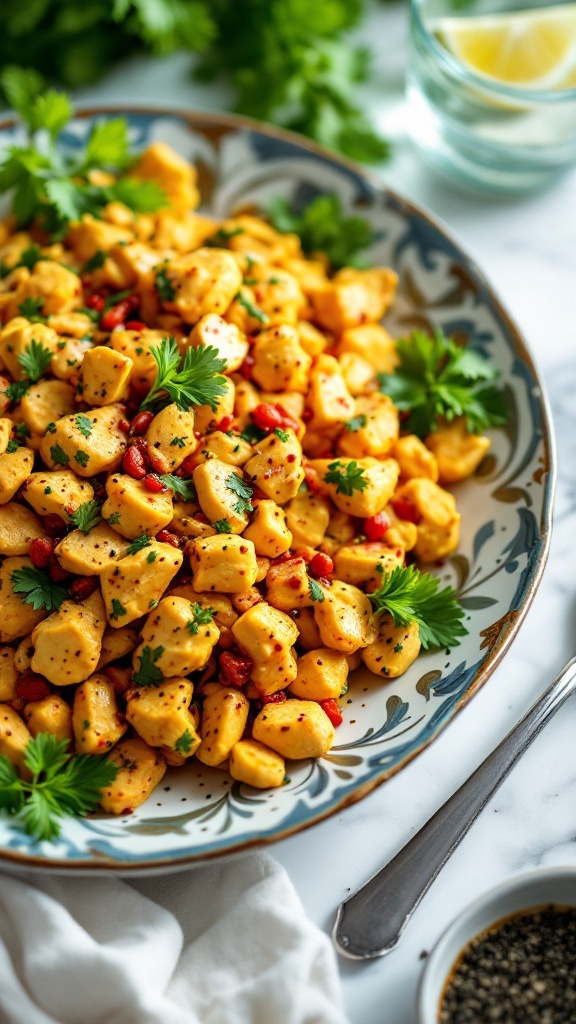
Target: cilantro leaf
251 309
36 588
355 423
140 196
347 478
118 609
58 455
32 310
191 381
182 486
96 262
164 287
60 784
143 541
316 592
283 435
84 424
410 595
12 447
86 516
82 458
35 360
148 674
222 526
243 490
201 616
17 389
252 434
322 227
437 378
184 744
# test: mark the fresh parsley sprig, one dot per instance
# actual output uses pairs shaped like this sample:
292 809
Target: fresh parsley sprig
244 492
86 516
182 486
61 785
35 360
347 478
32 310
437 378
35 587
193 380
149 674
200 617
410 595
322 227
52 187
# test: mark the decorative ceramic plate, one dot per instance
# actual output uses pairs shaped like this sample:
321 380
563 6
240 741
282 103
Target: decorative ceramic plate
199 813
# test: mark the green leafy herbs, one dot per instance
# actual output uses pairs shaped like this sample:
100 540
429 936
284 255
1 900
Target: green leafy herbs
316 592
34 587
143 541
32 310
281 434
243 490
84 424
178 442
61 784
118 609
347 477
409 595
200 617
96 262
164 287
322 227
182 486
192 380
53 187
34 360
113 519
437 378
22 431
17 389
183 745
222 526
12 447
58 455
252 310
222 236
149 674
82 458
355 423
86 516
252 434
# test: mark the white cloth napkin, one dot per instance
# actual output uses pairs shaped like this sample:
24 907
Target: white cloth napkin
227 944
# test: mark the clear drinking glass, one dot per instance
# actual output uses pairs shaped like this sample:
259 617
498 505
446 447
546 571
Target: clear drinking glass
480 132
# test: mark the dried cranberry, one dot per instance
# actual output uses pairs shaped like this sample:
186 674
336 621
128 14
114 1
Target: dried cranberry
404 509
96 302
82 587
32 686
273 698
54 525
135 325
41 552
236 666
56 572
133 463
153 484
166 537
142 421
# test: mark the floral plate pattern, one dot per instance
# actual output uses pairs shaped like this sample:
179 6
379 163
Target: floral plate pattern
200 813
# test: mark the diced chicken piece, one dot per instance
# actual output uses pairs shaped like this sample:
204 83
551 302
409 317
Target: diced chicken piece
67 644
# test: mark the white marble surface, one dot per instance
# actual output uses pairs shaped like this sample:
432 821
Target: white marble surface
527 248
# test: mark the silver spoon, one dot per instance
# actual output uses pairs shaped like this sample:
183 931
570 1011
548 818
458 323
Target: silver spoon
370 923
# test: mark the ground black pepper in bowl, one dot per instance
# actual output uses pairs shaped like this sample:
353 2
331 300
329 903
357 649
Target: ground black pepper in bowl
520 971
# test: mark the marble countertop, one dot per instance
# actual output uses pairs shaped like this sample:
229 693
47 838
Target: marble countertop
527 248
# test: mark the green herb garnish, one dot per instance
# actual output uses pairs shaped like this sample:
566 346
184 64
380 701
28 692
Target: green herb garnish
347 478
410 595
86 516
143 541
201 616
316 592
437 378
322 227
148 674
193 380
34 587
243 490
61 785
34 360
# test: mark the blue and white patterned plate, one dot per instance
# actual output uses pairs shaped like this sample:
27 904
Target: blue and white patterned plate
199 813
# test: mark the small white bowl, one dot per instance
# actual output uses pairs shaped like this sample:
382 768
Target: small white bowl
537 889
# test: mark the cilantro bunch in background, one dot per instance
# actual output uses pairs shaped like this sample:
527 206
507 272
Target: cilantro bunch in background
51 187
289 61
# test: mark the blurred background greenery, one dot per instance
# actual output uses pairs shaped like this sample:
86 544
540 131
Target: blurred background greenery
292 62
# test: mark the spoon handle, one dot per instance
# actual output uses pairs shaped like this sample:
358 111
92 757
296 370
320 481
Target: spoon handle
370 923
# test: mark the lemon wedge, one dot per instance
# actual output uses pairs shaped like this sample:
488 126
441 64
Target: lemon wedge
530 49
